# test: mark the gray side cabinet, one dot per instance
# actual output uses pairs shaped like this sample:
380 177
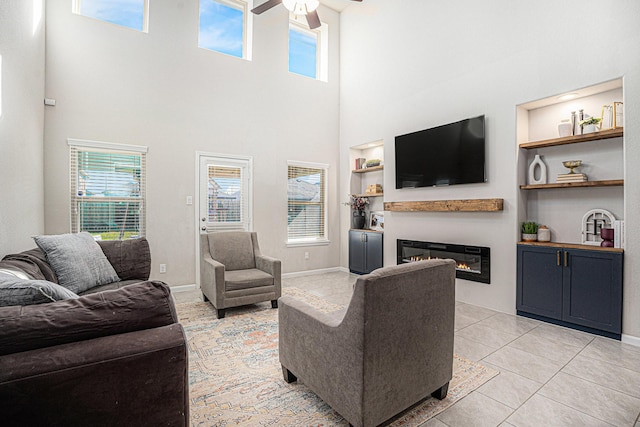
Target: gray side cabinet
365 251
573 287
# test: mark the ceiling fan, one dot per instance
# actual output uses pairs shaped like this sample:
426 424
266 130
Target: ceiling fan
297 7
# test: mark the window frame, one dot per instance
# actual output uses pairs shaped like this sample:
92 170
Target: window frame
316 241
76 145
322 46
76 8
247 30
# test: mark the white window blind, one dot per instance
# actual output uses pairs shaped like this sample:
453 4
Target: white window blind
108 188
225 195
307 202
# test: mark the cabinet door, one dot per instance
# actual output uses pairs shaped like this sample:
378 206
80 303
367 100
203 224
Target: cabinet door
539 281
356 252
593 289
374 251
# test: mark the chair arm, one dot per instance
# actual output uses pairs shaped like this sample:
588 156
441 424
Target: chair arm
323 349
212 279
270 265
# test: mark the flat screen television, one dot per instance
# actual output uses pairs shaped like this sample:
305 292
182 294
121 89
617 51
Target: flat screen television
444 155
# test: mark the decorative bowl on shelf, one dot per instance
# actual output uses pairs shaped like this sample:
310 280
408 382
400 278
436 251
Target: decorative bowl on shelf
572 164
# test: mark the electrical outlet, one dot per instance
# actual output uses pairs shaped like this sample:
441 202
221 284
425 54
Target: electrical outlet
163 268
306 255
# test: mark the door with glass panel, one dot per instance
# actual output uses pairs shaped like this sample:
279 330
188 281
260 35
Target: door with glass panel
225 193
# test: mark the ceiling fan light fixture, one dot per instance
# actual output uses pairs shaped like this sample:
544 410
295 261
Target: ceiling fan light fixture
301 7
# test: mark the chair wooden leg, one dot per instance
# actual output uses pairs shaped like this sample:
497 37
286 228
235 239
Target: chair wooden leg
288 376
274 303
441 393
220 313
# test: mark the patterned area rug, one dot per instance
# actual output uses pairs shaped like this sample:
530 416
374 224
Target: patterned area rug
235 376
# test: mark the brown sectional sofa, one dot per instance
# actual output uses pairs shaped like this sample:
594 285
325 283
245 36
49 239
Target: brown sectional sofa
115 356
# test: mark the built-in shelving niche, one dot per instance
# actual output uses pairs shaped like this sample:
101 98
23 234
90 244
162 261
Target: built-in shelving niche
561 206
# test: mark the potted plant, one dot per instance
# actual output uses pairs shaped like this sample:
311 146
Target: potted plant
589 125
357 204
529 231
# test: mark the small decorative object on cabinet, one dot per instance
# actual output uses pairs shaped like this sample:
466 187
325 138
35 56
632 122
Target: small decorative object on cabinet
376 221
357 219
607 235
572 286
537 163
529 231
592 222
572 164
565 128
365 251
544 234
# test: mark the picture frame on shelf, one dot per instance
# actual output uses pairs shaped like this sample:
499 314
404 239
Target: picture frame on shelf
376 220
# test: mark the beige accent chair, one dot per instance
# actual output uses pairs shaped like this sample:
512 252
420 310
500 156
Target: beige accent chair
233 272
390 349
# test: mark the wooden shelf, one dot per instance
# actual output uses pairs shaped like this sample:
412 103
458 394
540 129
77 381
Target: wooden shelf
468 205
605 134
572 246
368 195
607 183
371 169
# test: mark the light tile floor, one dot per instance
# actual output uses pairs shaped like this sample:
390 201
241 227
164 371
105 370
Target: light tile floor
549 375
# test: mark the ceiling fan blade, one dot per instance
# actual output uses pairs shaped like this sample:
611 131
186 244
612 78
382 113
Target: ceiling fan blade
313 19
356 0
265 6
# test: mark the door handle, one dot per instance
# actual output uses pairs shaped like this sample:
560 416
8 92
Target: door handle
558 258
203 228
566 258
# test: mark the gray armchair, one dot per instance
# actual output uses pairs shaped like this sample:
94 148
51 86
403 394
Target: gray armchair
233 272
391 348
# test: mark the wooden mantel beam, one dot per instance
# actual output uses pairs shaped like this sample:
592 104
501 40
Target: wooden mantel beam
467 205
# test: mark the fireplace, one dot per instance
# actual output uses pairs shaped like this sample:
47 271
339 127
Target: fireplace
473 262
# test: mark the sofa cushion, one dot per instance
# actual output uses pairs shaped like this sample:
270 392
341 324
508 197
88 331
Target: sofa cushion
243 279
17 291
131 258
77 260
33 262
144 305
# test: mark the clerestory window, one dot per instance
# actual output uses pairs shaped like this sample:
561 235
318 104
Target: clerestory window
226 27
308 51
132 14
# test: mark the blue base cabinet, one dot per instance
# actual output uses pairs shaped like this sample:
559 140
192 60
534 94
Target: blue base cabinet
575 287
365 251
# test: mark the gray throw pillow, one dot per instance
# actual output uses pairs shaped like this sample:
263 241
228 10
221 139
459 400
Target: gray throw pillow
77 260
16 291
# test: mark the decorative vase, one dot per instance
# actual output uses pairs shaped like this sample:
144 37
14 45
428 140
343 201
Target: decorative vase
607 237
588 129
544 234
529 237
537 163
565 128
357 219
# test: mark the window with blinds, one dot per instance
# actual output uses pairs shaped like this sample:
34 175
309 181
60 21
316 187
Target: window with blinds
108 187
307 202
225 195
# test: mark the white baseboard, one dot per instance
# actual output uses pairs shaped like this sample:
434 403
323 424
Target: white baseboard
630 339
312 272
184 288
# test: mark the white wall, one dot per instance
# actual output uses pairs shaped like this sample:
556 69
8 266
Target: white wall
21 124
412 64
160 90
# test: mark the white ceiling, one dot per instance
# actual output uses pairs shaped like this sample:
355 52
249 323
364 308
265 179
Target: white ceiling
338 5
